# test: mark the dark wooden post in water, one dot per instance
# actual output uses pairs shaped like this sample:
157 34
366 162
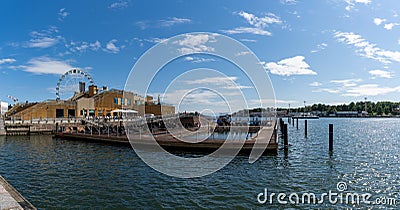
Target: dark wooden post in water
285 136
281 124
330 137
305 128
297 123
56 127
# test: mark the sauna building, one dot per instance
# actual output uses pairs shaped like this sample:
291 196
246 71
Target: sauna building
91 103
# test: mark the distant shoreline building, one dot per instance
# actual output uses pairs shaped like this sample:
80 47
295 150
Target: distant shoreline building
91 103
3 108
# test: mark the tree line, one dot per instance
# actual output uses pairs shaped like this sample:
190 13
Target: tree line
373 108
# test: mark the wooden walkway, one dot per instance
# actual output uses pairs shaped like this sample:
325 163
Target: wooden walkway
265 136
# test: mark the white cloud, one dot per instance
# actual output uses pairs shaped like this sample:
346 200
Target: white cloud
221 82
351 3
192 43
83 46
173 21
44 42
320 47
288 1
367 49
7 60
260 22
290 66
379 21
118 5
253 40
328 90
370 90
111 47
198 59
45 65
212 80
62 14
162 23
243 53
315 84
95 46
248 30
341 86
389 26
351 88
155 40
216 92
347 82
380 73
44 38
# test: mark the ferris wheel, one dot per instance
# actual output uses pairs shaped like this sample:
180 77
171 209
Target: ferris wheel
69 82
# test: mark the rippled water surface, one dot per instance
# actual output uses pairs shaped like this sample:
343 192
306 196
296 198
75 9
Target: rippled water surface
55 173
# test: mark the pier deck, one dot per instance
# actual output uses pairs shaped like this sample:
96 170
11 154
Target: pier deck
10 198
266 135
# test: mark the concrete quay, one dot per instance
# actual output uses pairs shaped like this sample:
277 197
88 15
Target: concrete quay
10 198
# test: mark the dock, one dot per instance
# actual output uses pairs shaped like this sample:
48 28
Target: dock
10 198
265 135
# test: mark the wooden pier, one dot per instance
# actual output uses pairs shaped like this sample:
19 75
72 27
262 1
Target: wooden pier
265 135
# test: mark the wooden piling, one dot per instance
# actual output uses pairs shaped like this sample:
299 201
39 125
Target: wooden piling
285 136
305 128
297 123
330 137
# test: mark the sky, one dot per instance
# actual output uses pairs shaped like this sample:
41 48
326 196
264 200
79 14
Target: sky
318 51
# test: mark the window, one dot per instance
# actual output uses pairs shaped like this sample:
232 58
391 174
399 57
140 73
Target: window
59 113
116 101
122 101
128 101
71 112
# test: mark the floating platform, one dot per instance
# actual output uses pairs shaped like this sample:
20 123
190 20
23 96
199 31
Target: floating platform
266 135
10 198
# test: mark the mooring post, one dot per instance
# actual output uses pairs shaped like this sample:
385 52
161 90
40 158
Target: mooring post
330 137
305 128
285 136
56 127
297 123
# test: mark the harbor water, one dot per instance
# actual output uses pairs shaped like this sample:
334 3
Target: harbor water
54 173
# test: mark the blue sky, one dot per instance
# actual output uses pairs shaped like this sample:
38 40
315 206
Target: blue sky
329 51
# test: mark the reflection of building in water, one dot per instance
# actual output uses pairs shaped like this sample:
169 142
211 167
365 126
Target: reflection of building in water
94 102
